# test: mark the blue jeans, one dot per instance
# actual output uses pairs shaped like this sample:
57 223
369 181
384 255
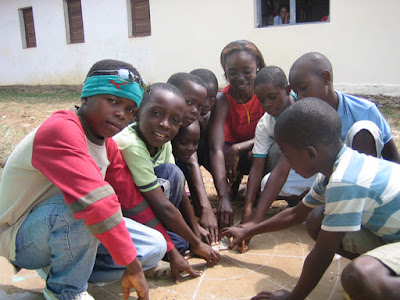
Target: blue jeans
172 181
51 236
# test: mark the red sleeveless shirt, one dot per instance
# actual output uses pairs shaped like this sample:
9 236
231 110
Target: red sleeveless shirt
237 125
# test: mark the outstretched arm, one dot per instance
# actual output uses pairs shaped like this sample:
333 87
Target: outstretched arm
253 186
314 267
169 215
272 188
285 219
217 160
201 201
172 219
187 212
317 262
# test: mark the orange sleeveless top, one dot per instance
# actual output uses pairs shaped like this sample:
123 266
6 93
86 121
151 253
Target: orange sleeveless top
238 127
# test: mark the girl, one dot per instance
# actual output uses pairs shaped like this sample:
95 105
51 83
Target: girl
232 123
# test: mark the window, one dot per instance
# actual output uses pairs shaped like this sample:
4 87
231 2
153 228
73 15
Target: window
74 21
139 18
27 28
269 12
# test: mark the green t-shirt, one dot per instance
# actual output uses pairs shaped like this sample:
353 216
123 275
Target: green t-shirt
138 158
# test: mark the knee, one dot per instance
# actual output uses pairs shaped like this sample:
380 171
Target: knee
158 250
160 244
170 172
314 221
351 273
355 276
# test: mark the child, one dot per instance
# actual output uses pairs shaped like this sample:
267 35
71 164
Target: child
273 92
361 196
147 150
186 142
184 145
311 76
195 93
55 204
212 90
363 126
233 122
284 15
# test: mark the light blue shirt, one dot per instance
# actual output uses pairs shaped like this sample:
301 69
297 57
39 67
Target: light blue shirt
352 109
278 20
363 191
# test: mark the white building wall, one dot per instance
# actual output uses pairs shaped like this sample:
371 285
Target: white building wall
360 40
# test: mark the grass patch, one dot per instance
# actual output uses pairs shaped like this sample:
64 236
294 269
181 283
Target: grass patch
23 108
39 94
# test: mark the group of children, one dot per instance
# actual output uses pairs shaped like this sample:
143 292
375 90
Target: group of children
104 196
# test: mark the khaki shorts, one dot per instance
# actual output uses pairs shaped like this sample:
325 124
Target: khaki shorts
366 243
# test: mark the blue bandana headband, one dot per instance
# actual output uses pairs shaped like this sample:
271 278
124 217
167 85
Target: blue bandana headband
112 85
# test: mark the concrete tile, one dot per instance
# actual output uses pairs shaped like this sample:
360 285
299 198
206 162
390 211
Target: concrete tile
274 261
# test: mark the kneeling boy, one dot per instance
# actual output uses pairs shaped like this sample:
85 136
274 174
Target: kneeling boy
55 204
361 196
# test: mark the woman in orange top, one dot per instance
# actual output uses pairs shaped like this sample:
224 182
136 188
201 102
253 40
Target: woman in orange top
233 122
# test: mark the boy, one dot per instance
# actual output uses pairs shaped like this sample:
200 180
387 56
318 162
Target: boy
363 126
211 82
195 93
273 92
147 150
311 76
361 196
186 142
183 146
65 206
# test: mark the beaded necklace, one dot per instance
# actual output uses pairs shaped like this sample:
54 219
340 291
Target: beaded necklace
240 99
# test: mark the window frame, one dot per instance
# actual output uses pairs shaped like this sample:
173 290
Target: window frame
27 27
139 18
293 15
75 31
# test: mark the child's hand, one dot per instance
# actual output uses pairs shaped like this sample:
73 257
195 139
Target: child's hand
209 224
134 278
237 233
278 295
207 252
224 212
180 264
231 163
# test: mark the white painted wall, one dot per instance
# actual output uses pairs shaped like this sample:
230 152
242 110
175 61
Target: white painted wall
360 40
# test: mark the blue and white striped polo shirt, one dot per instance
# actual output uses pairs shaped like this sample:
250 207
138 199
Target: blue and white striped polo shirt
362 191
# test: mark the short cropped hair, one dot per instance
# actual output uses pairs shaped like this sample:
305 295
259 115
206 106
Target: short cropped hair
271 75
111 64
316 62
309 122
242 45
180 79
159 86
207 76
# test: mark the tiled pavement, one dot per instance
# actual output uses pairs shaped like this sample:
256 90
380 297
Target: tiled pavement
274 261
